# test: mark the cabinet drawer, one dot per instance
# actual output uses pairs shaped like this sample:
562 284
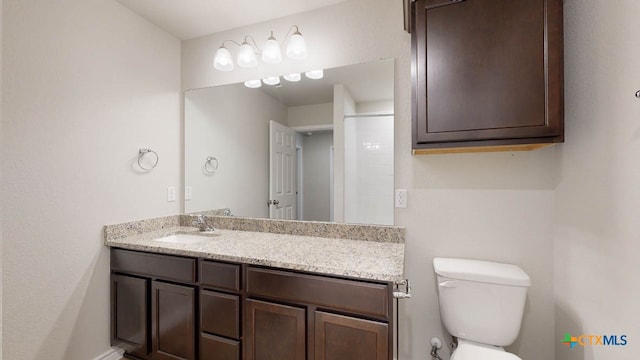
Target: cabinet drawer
347 295
220 275
220 314
167 267
216 348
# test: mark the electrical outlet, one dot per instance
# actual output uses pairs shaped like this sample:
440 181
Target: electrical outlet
401 198
188 192
171 193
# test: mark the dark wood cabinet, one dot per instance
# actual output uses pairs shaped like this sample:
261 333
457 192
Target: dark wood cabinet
335 318
274 331
166 307
488 75
345 337
129 298
173 321
153 318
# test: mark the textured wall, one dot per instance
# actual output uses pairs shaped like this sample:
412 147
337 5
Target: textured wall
596 235
495 206
86 84
310 115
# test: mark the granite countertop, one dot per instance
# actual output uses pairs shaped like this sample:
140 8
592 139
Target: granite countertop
372 260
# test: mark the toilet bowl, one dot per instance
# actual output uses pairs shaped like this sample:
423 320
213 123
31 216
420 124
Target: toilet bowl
469 350
481 304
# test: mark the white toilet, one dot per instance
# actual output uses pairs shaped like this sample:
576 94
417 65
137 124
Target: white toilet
481 304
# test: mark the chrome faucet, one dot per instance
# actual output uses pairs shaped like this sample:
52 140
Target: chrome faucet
202 224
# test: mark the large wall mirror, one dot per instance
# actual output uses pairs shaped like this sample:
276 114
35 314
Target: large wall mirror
313 149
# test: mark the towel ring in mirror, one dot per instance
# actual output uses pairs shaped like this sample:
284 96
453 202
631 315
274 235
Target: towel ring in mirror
210 165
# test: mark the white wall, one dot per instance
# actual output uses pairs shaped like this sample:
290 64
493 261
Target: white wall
597 230
86 83
495 206
230 123
310 115
1 182
316 164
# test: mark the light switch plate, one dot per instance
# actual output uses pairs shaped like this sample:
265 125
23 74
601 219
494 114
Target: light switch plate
188 192
171 193
401 198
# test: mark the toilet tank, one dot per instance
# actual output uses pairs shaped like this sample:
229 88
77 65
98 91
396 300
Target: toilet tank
481 301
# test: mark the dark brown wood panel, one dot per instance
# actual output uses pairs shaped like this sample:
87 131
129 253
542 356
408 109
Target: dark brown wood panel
173 321
129 299
168 267
220 275
347 295
274 332
488 72
343 337
220 314
217 348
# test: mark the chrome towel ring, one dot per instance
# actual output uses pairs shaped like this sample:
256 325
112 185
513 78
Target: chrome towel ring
638 94
210 165
141 153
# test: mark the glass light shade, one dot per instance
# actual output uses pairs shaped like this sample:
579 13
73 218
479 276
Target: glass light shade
292 77
246 56
272 80
271 53
253 84
297 48
223 60
314 74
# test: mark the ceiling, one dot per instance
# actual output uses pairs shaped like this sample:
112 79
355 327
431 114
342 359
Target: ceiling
188 19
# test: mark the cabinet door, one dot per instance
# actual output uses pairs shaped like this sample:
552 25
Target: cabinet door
274 332
487 72
173 321
342 337
129 299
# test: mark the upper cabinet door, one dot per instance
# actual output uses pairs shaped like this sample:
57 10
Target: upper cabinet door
487 73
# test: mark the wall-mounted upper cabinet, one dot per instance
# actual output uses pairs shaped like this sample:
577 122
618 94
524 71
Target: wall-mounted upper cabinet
488 75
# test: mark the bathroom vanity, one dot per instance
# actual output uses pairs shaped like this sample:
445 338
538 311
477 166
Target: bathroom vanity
255 295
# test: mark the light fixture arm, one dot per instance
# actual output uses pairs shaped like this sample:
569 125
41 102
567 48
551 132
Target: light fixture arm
289 33
255 45
231 41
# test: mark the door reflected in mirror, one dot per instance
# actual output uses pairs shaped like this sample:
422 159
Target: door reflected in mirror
314 150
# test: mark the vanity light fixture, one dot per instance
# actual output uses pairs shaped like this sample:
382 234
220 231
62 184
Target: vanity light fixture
254 84
272 80
270 54
315 74
293 77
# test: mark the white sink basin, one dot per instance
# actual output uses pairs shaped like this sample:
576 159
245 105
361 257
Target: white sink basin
181 239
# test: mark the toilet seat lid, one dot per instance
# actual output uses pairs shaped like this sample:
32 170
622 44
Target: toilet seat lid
473 351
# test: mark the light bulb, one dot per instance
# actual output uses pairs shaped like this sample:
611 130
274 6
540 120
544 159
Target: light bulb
253 84
272 80
271 53
297 48
246 56
315 74
292 77
223 60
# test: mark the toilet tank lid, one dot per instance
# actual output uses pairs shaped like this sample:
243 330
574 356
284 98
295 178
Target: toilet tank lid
481 271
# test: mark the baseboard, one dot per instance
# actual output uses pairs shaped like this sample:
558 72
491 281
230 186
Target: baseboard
112 354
